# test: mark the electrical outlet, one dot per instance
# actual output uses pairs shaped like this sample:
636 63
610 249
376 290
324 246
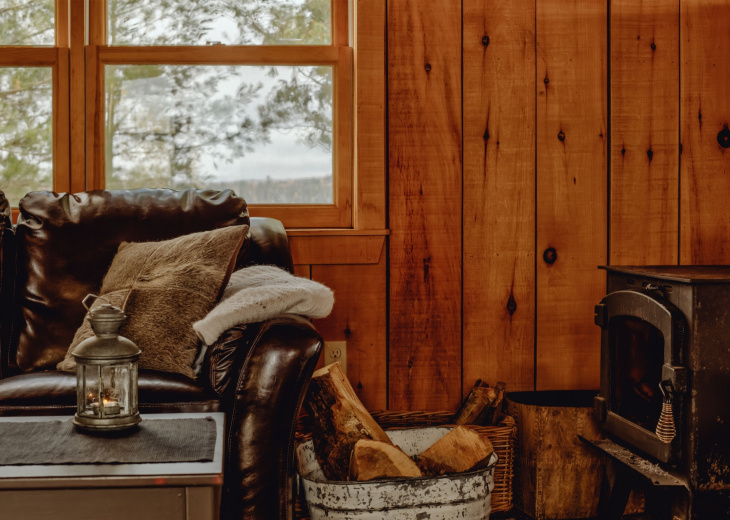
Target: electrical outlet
336 351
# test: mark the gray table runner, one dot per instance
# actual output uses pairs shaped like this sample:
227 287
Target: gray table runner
154 441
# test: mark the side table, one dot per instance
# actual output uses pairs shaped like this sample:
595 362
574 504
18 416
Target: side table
153 491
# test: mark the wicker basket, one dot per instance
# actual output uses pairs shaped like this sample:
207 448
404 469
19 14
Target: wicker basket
502 438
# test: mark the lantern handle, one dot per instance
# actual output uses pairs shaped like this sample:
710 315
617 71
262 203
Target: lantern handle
95 297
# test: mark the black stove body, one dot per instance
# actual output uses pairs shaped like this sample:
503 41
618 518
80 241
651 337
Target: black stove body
666 338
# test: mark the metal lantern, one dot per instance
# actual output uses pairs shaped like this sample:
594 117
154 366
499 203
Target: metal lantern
106 373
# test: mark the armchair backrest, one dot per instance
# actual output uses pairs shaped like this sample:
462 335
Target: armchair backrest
63 245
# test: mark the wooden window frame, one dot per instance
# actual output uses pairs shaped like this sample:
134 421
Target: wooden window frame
338 55
57 58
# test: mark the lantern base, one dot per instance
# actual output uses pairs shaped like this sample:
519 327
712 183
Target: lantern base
94 424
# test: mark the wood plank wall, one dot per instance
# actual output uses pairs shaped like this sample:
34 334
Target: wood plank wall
571 189
424 128
499 191
528 142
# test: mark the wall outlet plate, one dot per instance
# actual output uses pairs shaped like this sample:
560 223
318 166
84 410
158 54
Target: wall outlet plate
336 351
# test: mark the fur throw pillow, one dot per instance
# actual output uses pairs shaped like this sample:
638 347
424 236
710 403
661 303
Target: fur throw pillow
164 287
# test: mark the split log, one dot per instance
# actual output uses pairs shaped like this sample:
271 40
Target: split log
459 450
338 420
375 459
476 405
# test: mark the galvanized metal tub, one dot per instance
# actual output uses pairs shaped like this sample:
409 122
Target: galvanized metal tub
464 495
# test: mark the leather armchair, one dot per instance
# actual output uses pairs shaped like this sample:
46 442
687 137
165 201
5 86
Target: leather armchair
257 373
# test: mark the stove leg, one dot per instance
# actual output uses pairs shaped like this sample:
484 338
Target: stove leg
615 491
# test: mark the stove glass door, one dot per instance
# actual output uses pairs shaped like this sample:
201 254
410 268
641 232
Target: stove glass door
637 352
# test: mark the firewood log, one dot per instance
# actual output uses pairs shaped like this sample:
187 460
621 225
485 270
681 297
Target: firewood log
375 459
338 421
476 405
459 450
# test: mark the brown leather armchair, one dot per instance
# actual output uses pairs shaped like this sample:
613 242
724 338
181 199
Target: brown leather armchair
257 374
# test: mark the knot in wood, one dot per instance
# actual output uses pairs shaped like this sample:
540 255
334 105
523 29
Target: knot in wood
653 46
546 80
511 304
427 67
485 40
650 154
723 137
561 135
550 255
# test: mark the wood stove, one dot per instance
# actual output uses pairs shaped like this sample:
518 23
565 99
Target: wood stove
665 359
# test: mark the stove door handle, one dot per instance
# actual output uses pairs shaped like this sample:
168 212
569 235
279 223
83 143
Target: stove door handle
677 375
665 428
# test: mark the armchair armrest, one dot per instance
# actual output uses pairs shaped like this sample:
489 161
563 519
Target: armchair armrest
261 373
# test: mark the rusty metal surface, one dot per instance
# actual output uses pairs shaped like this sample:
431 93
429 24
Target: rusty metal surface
696 361
652 473
464 496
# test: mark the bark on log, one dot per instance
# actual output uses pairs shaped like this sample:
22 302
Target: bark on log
338 420
375 459
500 388
459 450
476 405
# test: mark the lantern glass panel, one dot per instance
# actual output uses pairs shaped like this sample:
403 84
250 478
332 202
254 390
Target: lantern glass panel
107 391
119 389
88 390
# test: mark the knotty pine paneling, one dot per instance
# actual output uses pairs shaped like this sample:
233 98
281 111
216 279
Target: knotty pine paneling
705 115
571 189
499 192
644 132
424 128
358 317
551 160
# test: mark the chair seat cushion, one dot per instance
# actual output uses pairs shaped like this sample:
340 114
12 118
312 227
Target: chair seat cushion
54 393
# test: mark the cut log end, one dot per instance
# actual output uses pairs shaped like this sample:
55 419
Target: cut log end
373 459
459 450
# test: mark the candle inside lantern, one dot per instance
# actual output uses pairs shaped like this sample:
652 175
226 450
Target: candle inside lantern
110 407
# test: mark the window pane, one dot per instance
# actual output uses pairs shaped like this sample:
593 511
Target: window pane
27 22
26 130
230 22
266 132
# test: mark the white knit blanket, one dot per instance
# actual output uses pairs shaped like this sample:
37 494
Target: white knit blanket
261 292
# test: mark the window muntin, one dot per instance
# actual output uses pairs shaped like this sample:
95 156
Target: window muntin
27 22
26 130
264 131
228 22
